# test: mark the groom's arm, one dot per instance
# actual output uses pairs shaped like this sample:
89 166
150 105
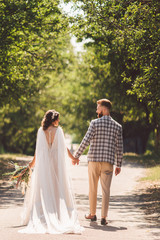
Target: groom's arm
86 140
119 148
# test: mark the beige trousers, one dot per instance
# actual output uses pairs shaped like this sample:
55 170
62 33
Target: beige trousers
104 171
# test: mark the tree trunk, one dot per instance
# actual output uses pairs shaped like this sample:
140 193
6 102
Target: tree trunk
157 139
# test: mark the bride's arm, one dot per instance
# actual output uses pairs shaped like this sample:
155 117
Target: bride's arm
32 164
74 160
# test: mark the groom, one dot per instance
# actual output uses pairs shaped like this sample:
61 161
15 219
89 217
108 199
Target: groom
104 136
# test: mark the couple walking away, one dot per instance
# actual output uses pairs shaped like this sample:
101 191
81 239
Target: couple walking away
49 205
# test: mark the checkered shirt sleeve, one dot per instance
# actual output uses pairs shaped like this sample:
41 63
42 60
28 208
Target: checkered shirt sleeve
86 140
119 148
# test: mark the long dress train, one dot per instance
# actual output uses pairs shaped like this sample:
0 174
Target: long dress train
49 202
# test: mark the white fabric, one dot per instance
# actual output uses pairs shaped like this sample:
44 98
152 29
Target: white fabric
49 202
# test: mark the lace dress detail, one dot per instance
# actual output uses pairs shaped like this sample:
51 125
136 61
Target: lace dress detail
50 134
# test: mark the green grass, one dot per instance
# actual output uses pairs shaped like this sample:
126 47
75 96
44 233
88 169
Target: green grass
153 174
148 159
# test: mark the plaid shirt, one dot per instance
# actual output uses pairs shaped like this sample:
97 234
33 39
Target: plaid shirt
106 143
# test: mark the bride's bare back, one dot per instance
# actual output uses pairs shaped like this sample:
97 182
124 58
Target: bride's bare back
50 134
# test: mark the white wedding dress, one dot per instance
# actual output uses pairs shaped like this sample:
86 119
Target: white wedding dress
49 202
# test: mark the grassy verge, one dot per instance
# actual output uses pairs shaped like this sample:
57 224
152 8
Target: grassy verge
149 186
152 174
149 198
147 160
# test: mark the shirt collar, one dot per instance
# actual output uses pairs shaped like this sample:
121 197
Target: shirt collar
106 116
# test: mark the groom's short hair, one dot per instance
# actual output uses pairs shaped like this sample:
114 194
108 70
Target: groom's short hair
105 102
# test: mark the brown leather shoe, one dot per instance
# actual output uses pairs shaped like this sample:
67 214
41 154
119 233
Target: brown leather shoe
90 217
104 221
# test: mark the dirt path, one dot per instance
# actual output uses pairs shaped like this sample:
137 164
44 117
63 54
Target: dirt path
126 219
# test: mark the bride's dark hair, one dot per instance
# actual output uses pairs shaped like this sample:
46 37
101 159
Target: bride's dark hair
49 117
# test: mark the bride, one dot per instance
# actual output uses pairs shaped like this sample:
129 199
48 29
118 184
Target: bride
49 203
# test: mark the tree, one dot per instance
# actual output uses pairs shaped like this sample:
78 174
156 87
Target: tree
32 35
125 34
35 41
19 123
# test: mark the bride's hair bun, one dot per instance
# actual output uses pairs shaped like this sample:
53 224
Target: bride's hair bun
49 117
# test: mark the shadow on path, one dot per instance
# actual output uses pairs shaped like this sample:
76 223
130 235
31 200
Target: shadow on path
131 209
10 196
129 212
105 228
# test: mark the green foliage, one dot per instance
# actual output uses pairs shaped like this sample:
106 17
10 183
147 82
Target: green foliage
125 41
39 69
35 52
31 36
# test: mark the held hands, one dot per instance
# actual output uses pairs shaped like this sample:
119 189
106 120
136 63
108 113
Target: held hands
117 171
75 161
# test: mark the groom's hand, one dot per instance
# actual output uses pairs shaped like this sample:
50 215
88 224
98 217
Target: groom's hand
117 171
75 161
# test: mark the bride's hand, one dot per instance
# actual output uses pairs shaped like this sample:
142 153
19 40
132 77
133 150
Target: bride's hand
75 161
